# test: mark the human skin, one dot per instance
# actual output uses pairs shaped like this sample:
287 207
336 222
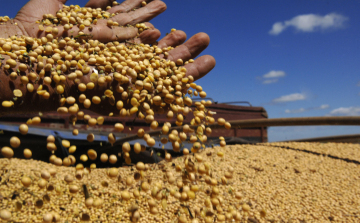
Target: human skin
24 24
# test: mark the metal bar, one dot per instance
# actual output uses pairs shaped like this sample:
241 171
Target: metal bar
354 138
251 123
236 102
200 99
341 120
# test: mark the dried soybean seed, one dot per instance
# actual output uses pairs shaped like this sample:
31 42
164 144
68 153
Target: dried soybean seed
65 143
92 154
23 129
5 214
15 142
227 125
7 152
27 153
26 181
137 148
96 100
104 157
112 159
72 149
90 137
84 157
126 147
113 172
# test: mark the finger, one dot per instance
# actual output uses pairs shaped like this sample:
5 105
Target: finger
200 67
148 24
140 15
148 36
123 7
128 5
99 4
173 39
101 32
191 48
35 9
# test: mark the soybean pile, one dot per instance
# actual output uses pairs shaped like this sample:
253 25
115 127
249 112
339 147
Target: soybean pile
270 182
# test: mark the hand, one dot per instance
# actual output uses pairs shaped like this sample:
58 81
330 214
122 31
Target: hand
35 9
189 50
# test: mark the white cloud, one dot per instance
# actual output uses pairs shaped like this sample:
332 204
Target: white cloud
277 28
300 110
310 23
295 110
274 74
270 81
290 97
349 111
325 106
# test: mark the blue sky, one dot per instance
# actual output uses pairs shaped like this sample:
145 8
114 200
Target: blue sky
308 65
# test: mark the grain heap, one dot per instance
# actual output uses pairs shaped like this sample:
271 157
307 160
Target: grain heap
244 183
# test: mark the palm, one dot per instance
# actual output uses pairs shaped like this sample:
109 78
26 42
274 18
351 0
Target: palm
34 11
